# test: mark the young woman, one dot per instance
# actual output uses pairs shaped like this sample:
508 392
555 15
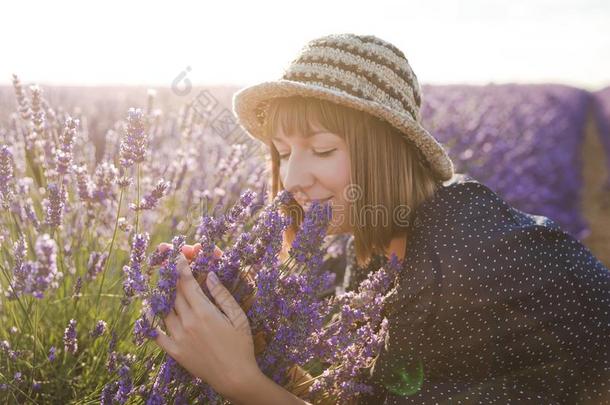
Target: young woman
493 305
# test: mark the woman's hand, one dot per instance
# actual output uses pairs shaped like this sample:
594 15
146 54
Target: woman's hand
215 347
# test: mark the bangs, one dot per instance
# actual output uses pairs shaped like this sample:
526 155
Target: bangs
302 116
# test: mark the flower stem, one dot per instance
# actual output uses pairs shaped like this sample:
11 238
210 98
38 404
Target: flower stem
116 225
138 201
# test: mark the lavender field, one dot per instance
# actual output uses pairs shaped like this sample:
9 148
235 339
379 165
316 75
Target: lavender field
93 179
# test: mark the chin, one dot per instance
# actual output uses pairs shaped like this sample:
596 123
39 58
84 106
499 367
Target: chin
331 231
335 230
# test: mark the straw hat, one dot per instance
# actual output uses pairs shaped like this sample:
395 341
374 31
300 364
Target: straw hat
358 71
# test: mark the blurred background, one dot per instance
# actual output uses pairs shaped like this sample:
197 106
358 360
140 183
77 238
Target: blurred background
517 91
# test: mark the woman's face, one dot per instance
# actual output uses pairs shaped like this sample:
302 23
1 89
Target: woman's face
316 166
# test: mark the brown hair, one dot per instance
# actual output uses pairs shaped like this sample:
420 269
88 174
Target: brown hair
389 172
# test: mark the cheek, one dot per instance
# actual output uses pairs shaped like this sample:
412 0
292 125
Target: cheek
333 172
341 173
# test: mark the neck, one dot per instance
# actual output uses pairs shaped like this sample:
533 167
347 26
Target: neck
397 246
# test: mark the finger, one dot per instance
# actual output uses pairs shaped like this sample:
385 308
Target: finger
198 248
187 251
181 306
227 303
166 343
163 247
190 289
183 266
172 323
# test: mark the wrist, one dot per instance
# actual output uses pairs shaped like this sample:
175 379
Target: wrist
246 385
256 388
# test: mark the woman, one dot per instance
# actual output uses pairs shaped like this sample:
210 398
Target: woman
493 305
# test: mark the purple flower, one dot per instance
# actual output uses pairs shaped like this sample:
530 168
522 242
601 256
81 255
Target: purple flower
162 382
124 181
150 200
7 188
170 375
104 178
355 336
119 391
5 347
30 213
214 229
305 248
21 272
143 330
24 108
52 353
135 282
34 277
100 328
70 339
77 287
46 274
164 295
84 184
63 155
206 260
269 229
95 264
54 205
134 144
157 257
211 228
38 115
124 385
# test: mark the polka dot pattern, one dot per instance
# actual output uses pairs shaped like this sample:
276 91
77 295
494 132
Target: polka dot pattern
495 305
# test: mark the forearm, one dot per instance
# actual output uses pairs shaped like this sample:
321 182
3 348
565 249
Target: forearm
262 390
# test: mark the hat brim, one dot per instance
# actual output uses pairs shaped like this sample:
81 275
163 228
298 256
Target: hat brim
246 101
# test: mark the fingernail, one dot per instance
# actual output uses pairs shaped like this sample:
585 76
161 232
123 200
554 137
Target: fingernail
213 278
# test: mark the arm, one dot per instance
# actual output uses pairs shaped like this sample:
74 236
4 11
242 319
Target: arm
260 389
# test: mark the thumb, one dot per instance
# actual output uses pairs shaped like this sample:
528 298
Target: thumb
227 303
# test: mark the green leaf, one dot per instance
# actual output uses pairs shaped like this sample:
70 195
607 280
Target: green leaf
408 380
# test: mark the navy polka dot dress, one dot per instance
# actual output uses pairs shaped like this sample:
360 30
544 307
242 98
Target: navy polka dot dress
494 306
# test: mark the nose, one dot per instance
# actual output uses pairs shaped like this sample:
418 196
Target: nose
296 173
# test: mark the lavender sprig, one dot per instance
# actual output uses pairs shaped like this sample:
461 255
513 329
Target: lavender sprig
7 185
150 200
135 281
70 338
64 154
54 205
135 142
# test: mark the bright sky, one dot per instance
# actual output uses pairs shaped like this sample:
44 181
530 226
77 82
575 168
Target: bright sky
243 42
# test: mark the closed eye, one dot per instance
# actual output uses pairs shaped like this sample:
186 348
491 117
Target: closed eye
321 154
325 153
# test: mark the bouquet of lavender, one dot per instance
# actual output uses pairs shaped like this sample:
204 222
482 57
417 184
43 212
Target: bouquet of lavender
297 334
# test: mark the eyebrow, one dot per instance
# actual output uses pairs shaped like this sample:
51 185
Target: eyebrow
306 136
